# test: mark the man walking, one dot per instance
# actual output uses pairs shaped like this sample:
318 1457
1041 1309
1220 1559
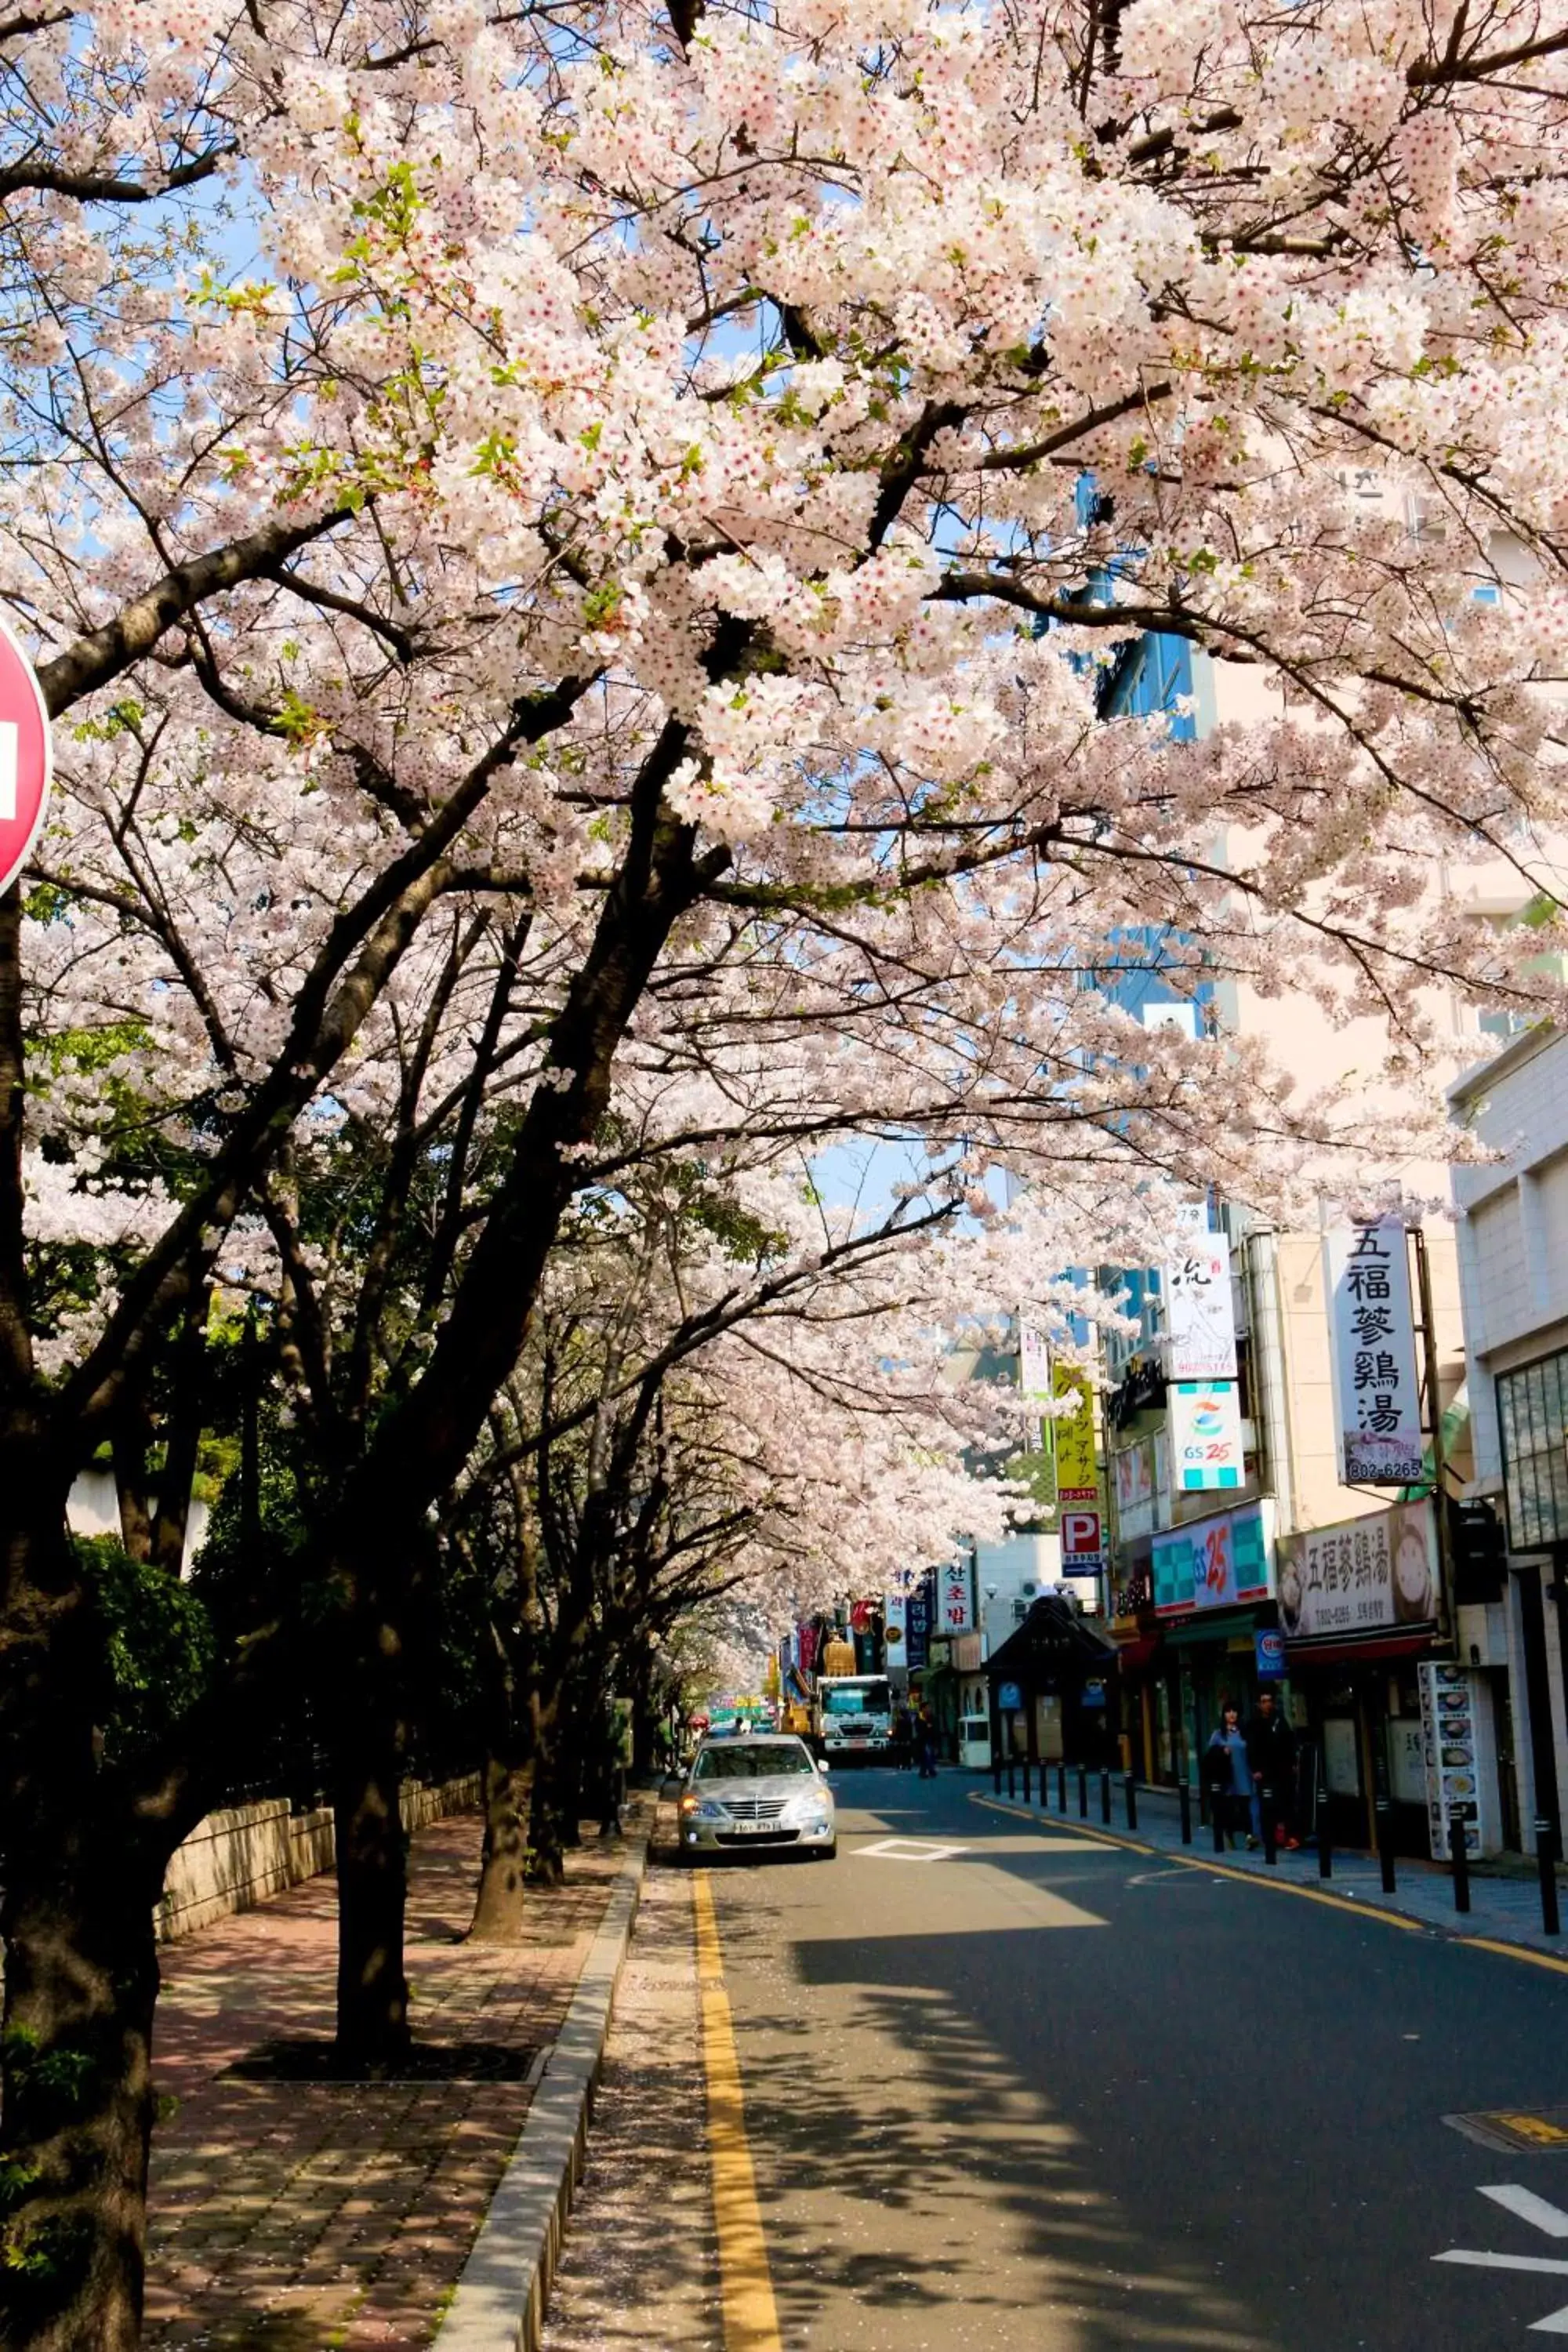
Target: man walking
1271 1759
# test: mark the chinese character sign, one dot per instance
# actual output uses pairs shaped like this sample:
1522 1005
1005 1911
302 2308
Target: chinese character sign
1361 1575
1367 1278
955 1600
1206 1435
1077 1476
1200 1327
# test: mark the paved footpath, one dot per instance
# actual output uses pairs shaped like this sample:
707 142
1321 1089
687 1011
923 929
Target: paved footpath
1507 1908
320 2217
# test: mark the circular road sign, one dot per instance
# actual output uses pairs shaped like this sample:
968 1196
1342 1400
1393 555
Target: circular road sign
25 758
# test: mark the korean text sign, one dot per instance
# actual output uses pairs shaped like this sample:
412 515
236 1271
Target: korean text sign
1378 1406
1200 1327
1360 1575
955 1604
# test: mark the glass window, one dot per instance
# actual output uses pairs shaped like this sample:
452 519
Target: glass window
1532 1415
753 1759
856 1698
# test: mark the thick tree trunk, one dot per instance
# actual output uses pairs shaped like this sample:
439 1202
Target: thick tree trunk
373 2033
76 2100
501 1900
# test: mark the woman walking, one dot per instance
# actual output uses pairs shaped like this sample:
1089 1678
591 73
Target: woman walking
1228 1775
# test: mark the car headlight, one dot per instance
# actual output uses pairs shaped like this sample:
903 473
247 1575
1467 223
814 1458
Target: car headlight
708 1809
812 1806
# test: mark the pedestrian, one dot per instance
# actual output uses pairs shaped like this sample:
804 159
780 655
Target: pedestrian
903 1737
926 1736
1271 1757
1227 1774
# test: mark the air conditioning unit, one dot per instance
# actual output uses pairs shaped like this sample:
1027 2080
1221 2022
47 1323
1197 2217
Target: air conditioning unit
1020 1611
1028 1590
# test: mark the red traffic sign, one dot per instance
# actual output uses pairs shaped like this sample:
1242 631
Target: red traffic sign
26 759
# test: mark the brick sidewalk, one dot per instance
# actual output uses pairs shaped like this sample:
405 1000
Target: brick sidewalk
318 2217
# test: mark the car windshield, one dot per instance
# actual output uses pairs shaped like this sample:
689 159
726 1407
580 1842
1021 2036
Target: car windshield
753 1759
857 1699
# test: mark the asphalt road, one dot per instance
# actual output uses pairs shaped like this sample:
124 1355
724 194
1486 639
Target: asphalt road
1030 2091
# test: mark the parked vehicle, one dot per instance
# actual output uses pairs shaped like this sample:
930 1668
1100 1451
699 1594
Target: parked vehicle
755 1795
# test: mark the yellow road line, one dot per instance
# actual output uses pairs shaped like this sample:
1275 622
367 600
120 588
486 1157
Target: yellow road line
746 2282
1514 1952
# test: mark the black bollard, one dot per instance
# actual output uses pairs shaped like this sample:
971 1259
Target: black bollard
1012 1768
1184 1800
1546 1862
1130 1788
1381 1812
1461 1853
996 1771
1083 1792
1026 1779
1325 1839
1061 1787
1218 1816
1105 1794
1270 1826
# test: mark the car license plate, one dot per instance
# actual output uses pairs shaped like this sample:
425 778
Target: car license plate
750 1829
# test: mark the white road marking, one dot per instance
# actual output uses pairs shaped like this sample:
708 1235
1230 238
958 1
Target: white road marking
910 1850
1548 2218
1530 2208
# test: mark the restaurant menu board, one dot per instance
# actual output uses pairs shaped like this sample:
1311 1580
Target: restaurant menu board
1456 1738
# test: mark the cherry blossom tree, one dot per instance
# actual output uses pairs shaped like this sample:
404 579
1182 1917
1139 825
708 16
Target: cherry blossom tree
624 476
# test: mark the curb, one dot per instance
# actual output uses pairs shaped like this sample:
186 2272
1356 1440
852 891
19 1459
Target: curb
501 2295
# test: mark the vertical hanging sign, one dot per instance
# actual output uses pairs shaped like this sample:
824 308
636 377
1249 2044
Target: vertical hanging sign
1377 1405
1200 1322
1077 1472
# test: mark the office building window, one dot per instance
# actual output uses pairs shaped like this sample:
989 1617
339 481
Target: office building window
1532 1413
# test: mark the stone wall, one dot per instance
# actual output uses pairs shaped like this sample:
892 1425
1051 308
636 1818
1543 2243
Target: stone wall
236 1859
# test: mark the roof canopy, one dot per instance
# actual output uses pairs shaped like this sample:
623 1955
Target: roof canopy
1052 1649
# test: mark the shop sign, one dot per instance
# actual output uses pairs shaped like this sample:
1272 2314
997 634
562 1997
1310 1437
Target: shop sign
1451 1736
1135 1489
955 1602
895 1622
1360 1575
1206 1435
917 1625
1009 1698
1270 1653
1034 1364
1377 1408
1078 1474
1200 1325
1212 1563
1083 1543
807 1637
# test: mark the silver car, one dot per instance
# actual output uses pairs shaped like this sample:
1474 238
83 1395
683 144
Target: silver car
755 1796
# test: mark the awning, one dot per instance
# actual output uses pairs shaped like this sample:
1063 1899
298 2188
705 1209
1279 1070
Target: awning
1360 1654
1137 1652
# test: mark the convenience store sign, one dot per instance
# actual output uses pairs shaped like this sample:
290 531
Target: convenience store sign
1215 1563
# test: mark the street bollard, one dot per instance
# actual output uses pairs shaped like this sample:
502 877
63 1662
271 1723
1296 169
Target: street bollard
1026 1779
1460 1853
1083 1792
1061 1788
1546 1862
1130 1787
1105 1795
1325 1840
1218 1819
1382 1810
1012 1767
1184 1800
1270 1826
997 1771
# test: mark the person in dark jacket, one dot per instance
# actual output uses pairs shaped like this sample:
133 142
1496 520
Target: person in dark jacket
1271 1757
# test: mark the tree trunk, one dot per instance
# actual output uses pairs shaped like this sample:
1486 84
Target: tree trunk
501 1903
546 1834
373 2033
81 1978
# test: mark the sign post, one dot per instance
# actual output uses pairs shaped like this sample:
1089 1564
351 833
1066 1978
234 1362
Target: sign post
25 758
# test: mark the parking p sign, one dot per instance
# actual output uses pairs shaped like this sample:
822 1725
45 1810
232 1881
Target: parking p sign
24 762
1083 1546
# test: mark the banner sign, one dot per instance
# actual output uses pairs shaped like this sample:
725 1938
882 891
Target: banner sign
1034 1364
917 1625
1360 1576
1206 1435
1215 1563
955 1600
1377 1407
1200 1324
1078 1476
895 1622
1135 1468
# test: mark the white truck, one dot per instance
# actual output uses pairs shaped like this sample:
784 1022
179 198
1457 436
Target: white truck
853 1718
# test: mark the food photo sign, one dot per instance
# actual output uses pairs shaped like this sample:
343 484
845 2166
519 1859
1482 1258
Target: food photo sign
1360 1576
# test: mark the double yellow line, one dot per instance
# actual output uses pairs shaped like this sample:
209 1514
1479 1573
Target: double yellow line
745 2283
